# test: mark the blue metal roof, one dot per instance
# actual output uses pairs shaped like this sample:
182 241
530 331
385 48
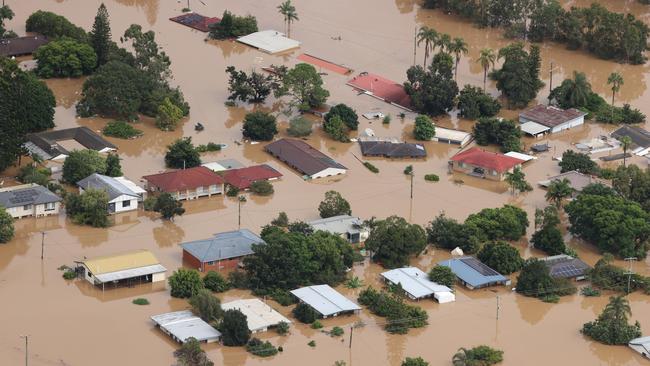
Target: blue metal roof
222 246
473 272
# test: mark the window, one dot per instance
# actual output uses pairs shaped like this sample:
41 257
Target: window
27 207
210 263
126 203
461 164
50 206
199 190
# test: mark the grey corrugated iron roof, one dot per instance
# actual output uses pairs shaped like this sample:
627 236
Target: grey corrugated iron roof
414 282
32 194
231 244
325 299
301 156
184 324
112 186
21 45
338 224
639 136
577 180
48 141
473 272
392 150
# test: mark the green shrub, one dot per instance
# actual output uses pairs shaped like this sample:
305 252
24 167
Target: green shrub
408 170
305 313
400 316
386 120
211 146
260 348
282 297
371 167
312 344
185 282
238 279
262 188
232 191
554 299
354 282
141 301
215 282
431 178
299 127
316 325
282 328
121 129
589 291
149 203
337 332
69 274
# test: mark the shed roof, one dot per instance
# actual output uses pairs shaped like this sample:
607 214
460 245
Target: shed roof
392 150
473 272
21 45
550 116
301 156
451 134
269 41
178 180
112 186
230 244
47 142
564 266
340 224
325 299
121 261
26 194
486 159
520 156
641 341
639 136
196 21
533 128
184 324
577 180
415 282
243 178
258 314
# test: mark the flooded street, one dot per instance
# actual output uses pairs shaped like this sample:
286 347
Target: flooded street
72 323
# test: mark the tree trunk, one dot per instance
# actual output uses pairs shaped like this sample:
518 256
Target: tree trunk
456 71
484 79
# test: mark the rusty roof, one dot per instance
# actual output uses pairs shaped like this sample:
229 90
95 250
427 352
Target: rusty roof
243 178
550 116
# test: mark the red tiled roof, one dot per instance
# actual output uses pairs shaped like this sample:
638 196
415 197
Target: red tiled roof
243 177
486 159
550 116
382 88
178 180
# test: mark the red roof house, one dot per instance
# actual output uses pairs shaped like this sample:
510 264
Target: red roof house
196 21
186 183
243 177
483 164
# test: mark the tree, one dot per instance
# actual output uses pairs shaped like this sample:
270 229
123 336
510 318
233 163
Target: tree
517 181
424 129
414 361
6 13
474 103
88 208
289 12
185 283
113 166
558 190
260 126
433 90
182 154
572 93
612 327
394 240
477 356
347 115
252 88
6 226
54 26
626 141
30 173
442 275
633 183
262 187
502 132
168 115
206 306
299 127
447 233
518 79
214 281
549 240
400 316
335 128
100 36
501 256
281 221
572 160
168 206
65 58
82 163
305 313
429 37
300 227
334 205
234 328
535 280
233 26
458 47
191 354
504 223
615 80
486 58
305 86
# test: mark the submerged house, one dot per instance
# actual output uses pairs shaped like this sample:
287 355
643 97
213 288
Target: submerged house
640 139
123 195
29 200
577 180
260 316
269 41
223 250
304 158
542 119
641 345
564 266
57 144
186 184
136 266
21 46
473 273
183 325
326 301
416 284
450 136
242 178
484 164
395 150
348 227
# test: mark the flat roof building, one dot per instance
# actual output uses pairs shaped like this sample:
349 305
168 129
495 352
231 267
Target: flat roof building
259 315
542 119
304 158
450 136
325 300
223 250
565 266
55 145
29 200
416 284
349 227
269 41
182 325
134 266
474 273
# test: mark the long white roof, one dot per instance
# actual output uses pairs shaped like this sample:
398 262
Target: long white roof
449 134
325 299
130 273
258 314
533 128
269 41
184 324
414 282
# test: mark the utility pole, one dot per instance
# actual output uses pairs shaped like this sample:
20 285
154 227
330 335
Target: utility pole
240 200
415 42
550 83
42 244
629 272
26 349
351 330
498 307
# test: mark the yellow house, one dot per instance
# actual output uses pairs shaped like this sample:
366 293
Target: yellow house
137 266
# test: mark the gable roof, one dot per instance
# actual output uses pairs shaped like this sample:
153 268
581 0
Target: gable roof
26 194
178 180
550 116
301 156
112 186
577 180
325 299
564 266
473 272
414 282
21 45
392 150
269 41
230 244
639 136
243 178
196 21
340 224
259 315
184 324
46 143
486 159
121 261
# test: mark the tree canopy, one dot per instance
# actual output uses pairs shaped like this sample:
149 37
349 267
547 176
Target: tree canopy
168 206
299 127
347 115
442 275
234 328
6 226
100 36
572 160
182 154
501 256
253 88
518 78
503 132
82 163
535 280
304 85
259 126
477 356
88 208
432 91
393 240
414 361
612 326
447 233
504 223
334 205
424 130
191 354
400 315
233 26
185 283
206 306
65 58
54 26
474 103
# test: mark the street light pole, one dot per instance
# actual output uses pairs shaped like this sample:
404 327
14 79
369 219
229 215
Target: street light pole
26 349
42 244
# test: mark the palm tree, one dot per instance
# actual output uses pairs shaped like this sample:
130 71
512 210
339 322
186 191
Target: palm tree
558 190
578 90
460 358
618 309
626 141
444 41
458 46
615 80
486 58
429 36
289 12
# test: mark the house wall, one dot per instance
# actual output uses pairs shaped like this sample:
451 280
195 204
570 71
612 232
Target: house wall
199 192
570 124
157 277
33 210
328 172
119 205
468 169
195 263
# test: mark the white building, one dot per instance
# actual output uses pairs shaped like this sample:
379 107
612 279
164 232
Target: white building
29 200
348 227
302 157
449 136
269 41
416 284
259 315
325 300
182 325
123 195
641 345
542 119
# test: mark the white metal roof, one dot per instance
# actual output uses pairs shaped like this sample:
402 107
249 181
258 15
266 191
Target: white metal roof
415 282
520 156
258 314
340 224
269 41
131 185
451 135
214 166
533 128
325 299
130 273
184 324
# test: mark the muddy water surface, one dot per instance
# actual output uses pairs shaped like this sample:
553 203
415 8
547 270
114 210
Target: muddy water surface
71 323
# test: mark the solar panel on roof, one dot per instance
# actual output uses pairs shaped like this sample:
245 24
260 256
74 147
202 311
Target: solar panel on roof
23 196
479 267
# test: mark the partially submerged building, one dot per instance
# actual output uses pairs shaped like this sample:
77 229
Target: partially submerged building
196 21
325 300
182 325
640 139
121 197
565 266
223 250
186 184
450 136
29 200
416 284
269 41
381 88
57 144
542 119
484 164
641 345
396 150
473 273
348 227
136 266
223 164
577 180
260 316
304 158
242 178
21 46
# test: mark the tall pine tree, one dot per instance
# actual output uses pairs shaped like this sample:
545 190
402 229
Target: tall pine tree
100 37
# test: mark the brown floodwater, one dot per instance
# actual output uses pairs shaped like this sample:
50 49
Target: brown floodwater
72 323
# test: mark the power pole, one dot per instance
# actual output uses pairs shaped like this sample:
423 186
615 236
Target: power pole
351 330
498 307
42 244
629 272
550 83
240 200
415 43
26 349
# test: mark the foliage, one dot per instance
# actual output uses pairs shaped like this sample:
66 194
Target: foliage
210 146
442 275
535 280
168 115
517 181
408 170
253 88
305 313
633 183
347 115
607 276
424 129
589 291
121 129
182 155
572 160
282 328
259 126
447 233
401 316
335 128
205 305
65 58
82 163
185 283
113 166
6 13
54 26
304 85
214 281
89 208
371 167
336 332
141 301
238 279
261 348
191 354
505 223
432 91
414 361
334 205
386 120
282 297
168 206
518 79
617 115
300 227
501 256
612 327
549 240
477 356
262 188
474 103
100 36
149 203
432 178
316 325
30 173
394 240
312 344
232 191
233 26
503 132
576 93
299 127
289 13
282 220
354 282
558 190
70 274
